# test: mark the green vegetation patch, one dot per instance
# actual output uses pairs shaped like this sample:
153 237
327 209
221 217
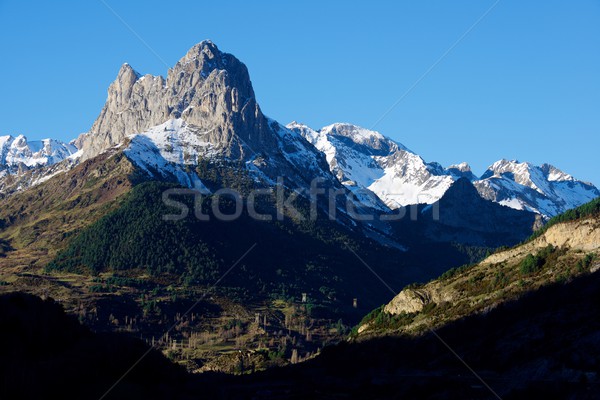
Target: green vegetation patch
584 211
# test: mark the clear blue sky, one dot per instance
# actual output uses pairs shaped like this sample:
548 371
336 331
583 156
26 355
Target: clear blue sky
524 84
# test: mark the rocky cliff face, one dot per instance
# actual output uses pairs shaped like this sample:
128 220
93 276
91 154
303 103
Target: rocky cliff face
581 235
208 89
210 94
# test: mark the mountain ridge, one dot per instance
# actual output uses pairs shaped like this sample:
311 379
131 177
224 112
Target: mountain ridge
563 251
19 152
211 92
400 177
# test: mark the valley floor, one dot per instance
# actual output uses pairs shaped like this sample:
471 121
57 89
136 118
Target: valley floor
544 345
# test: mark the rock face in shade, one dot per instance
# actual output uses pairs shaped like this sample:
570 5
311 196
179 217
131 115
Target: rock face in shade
464 211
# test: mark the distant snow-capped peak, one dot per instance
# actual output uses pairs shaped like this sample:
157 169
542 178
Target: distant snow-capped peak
363 159
361 136
462 170
542 189
18 151
528 175
366 160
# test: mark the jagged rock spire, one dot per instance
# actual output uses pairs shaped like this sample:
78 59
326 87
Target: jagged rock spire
207 88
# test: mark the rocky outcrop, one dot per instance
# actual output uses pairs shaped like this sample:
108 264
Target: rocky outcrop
581 235
568 250
414 300
207 88
408 301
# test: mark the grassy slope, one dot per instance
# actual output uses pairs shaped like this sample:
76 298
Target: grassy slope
92 208
88 214
559 252
37 222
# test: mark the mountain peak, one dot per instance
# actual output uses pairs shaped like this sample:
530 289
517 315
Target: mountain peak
5 139
296 124
460 189
355 132
462 167
127 73
205 58
207 88
554 174
205 51
510 168
205 108
206 47
462 170
20 141
368 138
544 189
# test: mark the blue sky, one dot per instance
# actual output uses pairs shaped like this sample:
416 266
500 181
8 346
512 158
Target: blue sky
523 84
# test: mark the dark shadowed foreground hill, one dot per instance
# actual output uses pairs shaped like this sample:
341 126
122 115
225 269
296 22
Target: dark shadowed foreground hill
47 354
545 345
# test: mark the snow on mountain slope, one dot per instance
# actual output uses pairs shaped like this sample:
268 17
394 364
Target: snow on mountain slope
353 168
365 160
542 189
18 151
26 163
170 148
166 149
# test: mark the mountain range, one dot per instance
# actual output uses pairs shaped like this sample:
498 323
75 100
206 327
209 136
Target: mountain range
18 154
206 108
85 222
201 128
366 160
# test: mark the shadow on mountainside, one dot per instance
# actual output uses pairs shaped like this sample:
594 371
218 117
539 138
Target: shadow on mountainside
48 354
545 345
